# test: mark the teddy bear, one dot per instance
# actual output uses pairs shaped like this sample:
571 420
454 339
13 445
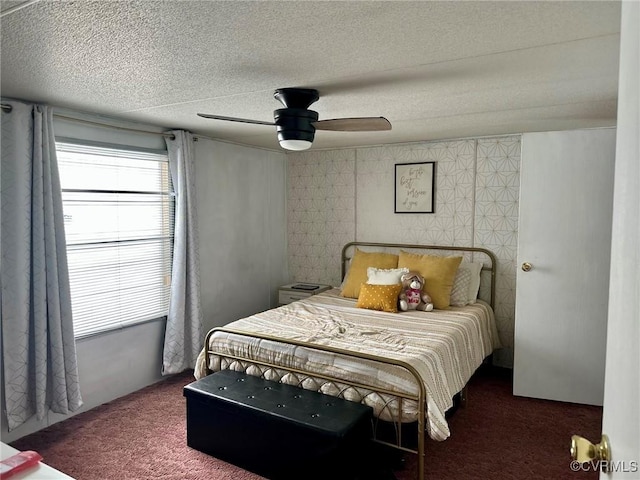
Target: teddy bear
411 296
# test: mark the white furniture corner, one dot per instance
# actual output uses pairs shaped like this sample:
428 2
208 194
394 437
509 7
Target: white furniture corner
288 294
41 471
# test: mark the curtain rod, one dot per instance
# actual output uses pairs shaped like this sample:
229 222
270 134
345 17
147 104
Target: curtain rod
107 125
7 108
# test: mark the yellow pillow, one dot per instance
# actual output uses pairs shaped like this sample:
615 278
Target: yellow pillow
357 274
379 297
438 272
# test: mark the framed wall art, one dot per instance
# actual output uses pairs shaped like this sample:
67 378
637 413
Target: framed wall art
415 187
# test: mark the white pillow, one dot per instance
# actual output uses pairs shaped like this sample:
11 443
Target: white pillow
381 276
474 287
466 284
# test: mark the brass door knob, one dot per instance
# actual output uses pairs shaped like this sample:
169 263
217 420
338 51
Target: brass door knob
582 450
526 266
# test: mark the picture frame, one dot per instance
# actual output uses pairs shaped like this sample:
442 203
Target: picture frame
415 187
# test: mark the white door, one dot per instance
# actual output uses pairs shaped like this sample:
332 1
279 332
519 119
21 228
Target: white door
564 232
621 417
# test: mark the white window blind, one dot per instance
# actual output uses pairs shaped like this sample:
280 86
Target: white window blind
118 214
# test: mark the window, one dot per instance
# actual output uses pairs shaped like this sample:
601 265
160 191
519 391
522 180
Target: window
118 215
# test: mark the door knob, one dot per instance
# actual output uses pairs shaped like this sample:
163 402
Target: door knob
526 266
582 450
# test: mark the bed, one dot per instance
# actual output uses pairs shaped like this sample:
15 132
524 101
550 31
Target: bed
408 366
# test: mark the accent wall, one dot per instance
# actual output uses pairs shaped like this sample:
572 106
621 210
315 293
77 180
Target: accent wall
339 196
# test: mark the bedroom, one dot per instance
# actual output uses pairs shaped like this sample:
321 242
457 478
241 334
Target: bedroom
224 166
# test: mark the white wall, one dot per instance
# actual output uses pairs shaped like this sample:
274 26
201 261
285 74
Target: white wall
241 196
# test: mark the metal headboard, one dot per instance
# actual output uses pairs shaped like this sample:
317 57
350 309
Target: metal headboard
351 246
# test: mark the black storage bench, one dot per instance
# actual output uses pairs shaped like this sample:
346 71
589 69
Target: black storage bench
278 431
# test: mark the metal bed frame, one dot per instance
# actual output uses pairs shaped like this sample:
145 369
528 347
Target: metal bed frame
343 385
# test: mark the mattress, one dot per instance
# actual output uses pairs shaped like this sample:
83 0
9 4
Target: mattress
444 346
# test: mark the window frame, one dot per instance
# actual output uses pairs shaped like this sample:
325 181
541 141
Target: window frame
167 211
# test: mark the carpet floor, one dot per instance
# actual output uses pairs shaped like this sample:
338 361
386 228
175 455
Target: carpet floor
496 436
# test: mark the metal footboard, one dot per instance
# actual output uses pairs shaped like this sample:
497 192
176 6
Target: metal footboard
420 398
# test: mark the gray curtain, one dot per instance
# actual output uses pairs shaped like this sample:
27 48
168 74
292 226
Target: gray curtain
184 336
38 346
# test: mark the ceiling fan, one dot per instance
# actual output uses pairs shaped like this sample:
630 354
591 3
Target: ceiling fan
296 124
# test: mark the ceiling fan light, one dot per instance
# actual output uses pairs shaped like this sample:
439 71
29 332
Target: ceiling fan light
295 144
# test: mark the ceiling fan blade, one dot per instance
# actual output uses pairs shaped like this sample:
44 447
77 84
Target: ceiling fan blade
361 124
234 119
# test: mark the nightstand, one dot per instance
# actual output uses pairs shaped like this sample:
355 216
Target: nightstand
288 294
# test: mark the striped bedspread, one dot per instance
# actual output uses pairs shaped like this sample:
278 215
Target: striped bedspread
444 346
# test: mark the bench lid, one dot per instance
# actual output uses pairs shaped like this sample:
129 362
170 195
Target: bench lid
290 403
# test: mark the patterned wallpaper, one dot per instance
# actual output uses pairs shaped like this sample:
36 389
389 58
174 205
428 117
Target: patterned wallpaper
338 196
321 213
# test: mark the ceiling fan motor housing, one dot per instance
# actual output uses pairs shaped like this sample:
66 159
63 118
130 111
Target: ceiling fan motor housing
295 124
296 97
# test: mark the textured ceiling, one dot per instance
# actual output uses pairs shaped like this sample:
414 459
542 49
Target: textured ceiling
434 69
